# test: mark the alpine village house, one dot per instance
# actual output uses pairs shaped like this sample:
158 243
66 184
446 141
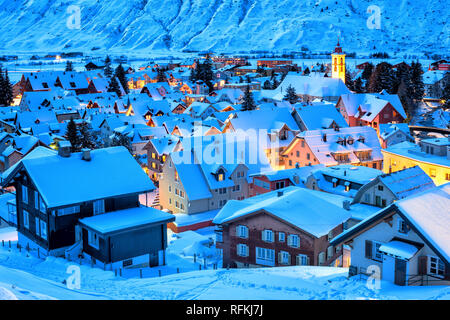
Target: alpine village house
80 205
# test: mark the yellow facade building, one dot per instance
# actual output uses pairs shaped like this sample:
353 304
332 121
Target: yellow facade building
338 63
431 155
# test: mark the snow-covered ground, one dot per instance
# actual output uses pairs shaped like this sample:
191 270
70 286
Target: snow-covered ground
27 277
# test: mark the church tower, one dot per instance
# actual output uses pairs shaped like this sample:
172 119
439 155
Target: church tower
338 63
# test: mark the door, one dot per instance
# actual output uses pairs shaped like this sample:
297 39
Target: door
400 272
388 271
378 201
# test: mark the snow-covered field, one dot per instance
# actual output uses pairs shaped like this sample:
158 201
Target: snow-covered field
27 277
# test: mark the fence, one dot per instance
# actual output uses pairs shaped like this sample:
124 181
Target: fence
144 272
427 279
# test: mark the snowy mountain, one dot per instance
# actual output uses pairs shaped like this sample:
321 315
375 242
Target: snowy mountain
224 25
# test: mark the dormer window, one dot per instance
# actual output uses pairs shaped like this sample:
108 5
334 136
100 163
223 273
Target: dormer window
72 84
361 139
350 140
220 175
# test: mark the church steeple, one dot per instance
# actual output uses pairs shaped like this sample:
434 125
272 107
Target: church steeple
338 63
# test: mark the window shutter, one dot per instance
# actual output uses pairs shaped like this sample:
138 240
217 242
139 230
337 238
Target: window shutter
237 231
307 261
368 249
263 236
280 257
288 259
246 232
297 260
289 240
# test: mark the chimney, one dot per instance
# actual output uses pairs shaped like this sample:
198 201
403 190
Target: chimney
64 148
86 154
324 137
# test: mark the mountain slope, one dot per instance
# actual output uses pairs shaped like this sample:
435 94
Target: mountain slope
225 25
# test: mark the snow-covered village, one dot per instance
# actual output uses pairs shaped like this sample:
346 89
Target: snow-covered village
304 156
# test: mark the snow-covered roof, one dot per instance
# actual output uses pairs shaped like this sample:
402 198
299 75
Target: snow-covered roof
268 119
302 173
126 219
320 116
324 150
188 172
388 129
65 181
429 212
410 150
300 207
432 76
371 104
165 145
407 182
357 174
399 249
315 86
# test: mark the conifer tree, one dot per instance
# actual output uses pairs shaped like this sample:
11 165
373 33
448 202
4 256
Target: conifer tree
367 72
382 78
405 92
114 86
73 136
192 75
86 137
306 71
401 74
6 91
249 102
161 76
446 92
275 83
417 80
108 69
121 76
349 81
69 65
121 140
291 95
267 85
358 86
